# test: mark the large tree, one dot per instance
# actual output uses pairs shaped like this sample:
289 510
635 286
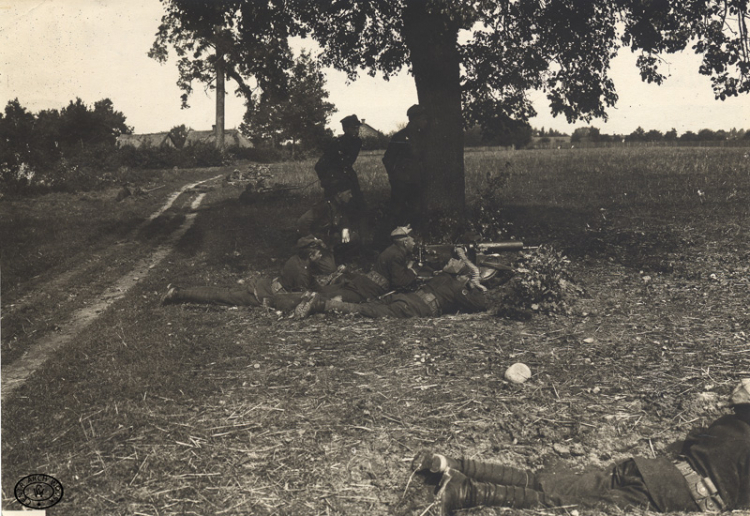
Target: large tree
300 114
475 60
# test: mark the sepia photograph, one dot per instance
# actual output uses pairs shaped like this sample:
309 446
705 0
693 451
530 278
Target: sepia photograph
385 257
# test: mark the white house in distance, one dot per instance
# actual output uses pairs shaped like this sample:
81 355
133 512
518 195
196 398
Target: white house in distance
145 140
232 138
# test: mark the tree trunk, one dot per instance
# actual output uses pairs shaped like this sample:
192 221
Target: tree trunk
220 102
432 40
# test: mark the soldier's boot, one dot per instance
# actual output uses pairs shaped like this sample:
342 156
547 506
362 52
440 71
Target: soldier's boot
457 491
481 471
172 296
426 460
312 305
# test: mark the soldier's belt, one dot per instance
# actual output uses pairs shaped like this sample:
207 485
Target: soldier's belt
379 279
702 489
277 287
430 300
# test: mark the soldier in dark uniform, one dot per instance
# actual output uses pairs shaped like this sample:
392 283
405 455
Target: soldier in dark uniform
335 168
712 474
282 292
451 291
403 160
328 220
393 270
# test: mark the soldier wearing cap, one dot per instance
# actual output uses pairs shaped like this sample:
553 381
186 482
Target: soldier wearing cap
712 474
282 292
403 160
450 291
393 270
335 168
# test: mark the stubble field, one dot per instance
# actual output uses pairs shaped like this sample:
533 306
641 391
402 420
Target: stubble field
212 410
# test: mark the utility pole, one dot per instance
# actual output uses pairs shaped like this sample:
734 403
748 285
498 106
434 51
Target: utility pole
219 68
220 102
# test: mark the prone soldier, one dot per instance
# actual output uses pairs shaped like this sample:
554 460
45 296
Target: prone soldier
282 292
712 474
393 270
452 290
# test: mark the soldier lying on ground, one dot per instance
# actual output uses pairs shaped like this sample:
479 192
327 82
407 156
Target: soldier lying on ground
451 291
392 271
328 220
283 292
712 474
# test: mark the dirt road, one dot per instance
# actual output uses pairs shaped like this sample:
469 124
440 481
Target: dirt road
16 373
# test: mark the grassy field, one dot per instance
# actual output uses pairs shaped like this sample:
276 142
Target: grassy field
210 410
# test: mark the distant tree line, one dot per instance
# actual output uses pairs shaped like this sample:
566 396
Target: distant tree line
75 148
592 134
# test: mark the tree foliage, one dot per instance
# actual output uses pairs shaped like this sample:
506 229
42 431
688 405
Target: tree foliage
179 134
299 115
473 61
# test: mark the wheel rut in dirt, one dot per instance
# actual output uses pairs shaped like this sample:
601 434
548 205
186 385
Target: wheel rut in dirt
16 373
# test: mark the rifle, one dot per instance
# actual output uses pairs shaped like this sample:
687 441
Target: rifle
483 254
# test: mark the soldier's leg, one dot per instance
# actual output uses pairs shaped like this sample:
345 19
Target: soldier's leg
478 470
342 291
211 295
457 491
285 302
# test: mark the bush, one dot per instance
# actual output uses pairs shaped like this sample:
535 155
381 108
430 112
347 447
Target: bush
542 283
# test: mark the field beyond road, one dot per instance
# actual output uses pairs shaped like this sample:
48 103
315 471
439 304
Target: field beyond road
207 410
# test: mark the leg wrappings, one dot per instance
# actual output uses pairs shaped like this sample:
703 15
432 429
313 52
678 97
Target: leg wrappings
497 473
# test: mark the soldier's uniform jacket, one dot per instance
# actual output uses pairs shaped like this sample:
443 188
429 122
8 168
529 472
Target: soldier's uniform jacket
722 453
392 265
335 166
402 158
295 276
325 220
453 295
442 294
389 273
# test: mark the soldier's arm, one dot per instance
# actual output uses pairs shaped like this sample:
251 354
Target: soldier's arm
306 222
390 157
401 274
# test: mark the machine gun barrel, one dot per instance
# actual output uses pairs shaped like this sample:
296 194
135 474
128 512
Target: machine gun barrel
511 245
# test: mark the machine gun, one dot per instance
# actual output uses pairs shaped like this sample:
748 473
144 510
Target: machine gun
488 255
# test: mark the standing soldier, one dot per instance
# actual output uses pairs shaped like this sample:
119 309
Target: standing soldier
403 162
335 168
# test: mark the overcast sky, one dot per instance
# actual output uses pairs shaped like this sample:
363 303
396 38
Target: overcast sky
53 51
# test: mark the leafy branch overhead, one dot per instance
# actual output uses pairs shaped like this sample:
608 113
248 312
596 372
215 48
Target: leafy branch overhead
473 62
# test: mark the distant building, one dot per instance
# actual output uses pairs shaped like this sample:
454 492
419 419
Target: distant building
232 138
368 131
145 140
